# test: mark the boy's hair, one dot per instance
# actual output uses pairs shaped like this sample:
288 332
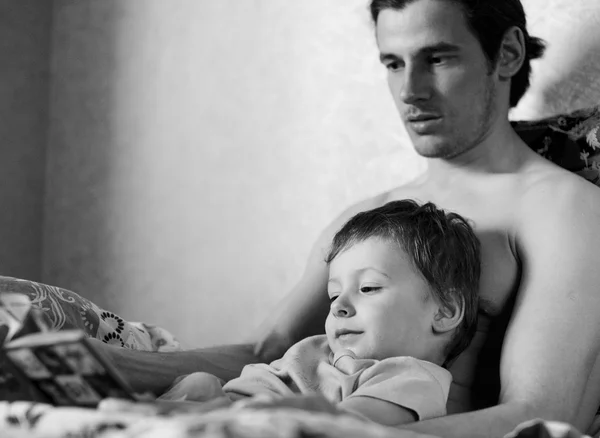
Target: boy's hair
488 20
442 247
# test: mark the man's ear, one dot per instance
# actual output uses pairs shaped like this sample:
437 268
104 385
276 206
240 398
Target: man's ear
511 55
449 316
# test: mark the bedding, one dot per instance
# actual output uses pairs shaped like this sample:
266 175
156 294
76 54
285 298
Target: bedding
46 422
64 310
572 141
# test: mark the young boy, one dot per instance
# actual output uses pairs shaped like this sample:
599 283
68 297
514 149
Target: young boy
403 281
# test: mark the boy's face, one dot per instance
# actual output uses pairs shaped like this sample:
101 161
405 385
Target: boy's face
439 77
381 306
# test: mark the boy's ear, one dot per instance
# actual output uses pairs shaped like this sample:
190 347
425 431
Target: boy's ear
449 316
512 53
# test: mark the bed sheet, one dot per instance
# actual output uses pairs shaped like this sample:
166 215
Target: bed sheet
34 420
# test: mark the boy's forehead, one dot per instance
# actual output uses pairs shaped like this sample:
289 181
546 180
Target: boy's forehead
372 253
422 24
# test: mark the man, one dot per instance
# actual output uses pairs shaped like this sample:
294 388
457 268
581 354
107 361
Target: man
455 68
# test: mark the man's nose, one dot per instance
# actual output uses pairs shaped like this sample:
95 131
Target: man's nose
342 307
415 86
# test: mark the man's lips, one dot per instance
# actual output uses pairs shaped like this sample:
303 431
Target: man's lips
422 118
424 124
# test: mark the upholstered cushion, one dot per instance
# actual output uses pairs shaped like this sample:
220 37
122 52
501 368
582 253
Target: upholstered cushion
65 309
570 140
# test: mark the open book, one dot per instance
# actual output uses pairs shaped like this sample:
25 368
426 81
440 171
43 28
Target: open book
58 367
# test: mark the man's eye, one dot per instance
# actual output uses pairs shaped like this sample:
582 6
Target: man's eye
438 60
332 298
368 289
393 66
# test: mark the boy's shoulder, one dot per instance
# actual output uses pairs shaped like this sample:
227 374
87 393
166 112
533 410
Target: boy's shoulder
411 367
313 349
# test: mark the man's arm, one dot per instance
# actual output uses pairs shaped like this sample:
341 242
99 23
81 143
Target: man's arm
303 311
547 368
301 314
155 372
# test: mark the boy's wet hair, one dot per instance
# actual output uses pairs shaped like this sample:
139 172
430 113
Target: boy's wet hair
442 247
488 20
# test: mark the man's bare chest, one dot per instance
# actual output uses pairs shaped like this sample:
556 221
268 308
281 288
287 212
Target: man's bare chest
493 219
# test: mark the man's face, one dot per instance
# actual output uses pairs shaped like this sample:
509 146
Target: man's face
438 75
380 304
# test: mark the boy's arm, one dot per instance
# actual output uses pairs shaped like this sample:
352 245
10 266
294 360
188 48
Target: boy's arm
378 411
364 408
549 367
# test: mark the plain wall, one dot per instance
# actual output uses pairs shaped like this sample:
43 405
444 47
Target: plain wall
568 76
197 148
24 92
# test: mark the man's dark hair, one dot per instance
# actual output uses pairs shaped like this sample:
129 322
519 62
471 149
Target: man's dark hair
489 20
442 247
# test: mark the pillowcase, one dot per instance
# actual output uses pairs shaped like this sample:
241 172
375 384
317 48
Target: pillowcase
64 310
572 141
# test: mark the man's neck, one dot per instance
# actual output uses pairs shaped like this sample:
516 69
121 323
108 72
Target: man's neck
500 151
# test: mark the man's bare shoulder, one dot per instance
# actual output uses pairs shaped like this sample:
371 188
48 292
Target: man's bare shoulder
556 217
405 191
557 210
549 191
363 205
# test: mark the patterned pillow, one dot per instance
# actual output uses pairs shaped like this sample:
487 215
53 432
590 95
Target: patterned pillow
572 141
65 310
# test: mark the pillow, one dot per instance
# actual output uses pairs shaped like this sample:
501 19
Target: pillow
65 310
572 141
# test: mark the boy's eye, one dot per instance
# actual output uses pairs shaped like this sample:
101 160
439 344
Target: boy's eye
367 289
332 298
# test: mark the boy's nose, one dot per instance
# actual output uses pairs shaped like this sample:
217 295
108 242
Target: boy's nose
342 308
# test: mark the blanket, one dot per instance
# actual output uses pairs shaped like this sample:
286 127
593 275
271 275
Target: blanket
42 421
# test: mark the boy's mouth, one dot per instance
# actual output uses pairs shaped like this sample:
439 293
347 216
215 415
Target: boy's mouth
346 334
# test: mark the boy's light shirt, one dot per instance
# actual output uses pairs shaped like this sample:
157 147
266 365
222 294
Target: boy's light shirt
308 368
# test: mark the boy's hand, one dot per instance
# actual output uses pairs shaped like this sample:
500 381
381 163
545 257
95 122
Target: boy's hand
309 403
160 407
